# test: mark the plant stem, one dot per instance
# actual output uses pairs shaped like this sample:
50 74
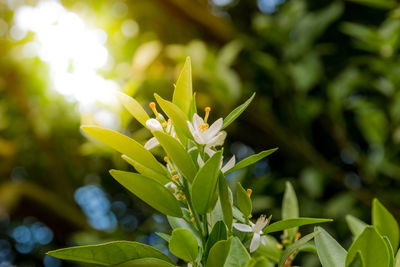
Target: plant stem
205 226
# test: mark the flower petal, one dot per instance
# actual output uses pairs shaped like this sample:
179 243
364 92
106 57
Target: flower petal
243 227
229 165
264 240
255 242
215 127
200 161
154 125
209 151
197 137
217 140
152 143
197 121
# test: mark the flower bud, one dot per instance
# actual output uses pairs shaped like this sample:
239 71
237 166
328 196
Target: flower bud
154 125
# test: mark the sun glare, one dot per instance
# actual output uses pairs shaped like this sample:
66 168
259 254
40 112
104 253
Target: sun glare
74 52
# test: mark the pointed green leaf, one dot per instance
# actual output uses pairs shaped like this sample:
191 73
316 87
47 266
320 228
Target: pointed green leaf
217 233
251 160
330 253
178 117
146 262
176 223
218 253
205 184
133 107
356 225
372 248
237 255
162 179
111 253
150 191
183 244
225 201
177 154
243 201
358 261
183 90
291 223
125 145
290 208
236 112
385 223
193 107
295 246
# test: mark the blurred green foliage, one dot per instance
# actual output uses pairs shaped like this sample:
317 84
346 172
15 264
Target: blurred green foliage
326 75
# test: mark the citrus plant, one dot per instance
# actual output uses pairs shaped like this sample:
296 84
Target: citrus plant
191 189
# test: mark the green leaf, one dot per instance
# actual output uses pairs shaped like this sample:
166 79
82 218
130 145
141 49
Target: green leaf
218 253
236 112
125 145
291 223
228 253
290 208
358 261
390 250
183 90
133 107
385 223
162 179
111 253
252 159
225 201
260 262
183 244
330 253
150 191
193 107
356 225
397 259
243 201
177 154
372 248
217 233
205 184
146 262
269 250
164 236
179 119
295 246
176 223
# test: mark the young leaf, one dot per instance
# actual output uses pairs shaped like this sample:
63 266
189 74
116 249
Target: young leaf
372 248
291 223
133 107
205 184
177 154
226 201
146 262
125 145
295 246
290 208
358 261
150 191
183 244
252 159
162 179
218 233
243 201
111 253
183 92
330 253
218 253
236 112
385 223
179 119
356 225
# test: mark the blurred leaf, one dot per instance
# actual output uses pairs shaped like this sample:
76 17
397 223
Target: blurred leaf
183 244
243 201
134 108
251 160
226 201
177 154
183 90
295 246
356 225
260 262
372 248
357 261
269 249
164 236
291 223
150 191
387 4
330 253
236 112
162 179
109 253
205 184
290 208
125 145
385 223
217 233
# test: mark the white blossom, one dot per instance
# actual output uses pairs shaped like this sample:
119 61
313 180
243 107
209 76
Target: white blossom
256 229
203 134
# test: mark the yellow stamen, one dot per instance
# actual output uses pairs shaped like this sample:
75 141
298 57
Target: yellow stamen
203 127
249 191
152 105
166 159
207 110
175 177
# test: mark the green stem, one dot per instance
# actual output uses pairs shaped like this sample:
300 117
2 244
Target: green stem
205 226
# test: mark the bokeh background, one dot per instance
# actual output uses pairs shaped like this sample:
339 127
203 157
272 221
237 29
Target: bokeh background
327 77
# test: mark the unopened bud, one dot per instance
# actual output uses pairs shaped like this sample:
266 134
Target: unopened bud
154 125
249 191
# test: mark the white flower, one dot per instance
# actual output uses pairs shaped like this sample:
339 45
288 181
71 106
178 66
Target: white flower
256 229
229 165
204 134
155 125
